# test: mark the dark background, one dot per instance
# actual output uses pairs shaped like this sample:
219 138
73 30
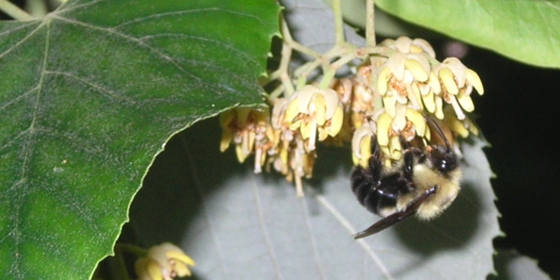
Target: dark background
518 115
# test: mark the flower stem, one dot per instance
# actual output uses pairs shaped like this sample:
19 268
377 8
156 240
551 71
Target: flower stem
339 27
132 249
37 8
14 11
370 23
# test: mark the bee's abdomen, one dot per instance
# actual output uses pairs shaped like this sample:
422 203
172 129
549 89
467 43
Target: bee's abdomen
377 194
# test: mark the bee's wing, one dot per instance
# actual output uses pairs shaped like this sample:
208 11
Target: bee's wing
397 217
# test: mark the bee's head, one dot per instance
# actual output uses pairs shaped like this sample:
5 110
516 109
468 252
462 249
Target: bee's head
443 159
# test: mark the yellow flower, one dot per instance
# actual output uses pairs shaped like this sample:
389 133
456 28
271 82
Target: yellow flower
250 130
317 113
164 262
403 79
361 145
407 123
294 161
460 127
457 83
407 45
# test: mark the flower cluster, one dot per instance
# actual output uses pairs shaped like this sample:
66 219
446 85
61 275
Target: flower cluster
392 90
163 262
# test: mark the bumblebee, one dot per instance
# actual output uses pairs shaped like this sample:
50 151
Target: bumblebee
424 183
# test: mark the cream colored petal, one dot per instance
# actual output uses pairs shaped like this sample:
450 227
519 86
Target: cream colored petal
304 96
225 140
322 133
306 128
262 116
416 97
387 43
399 121
242 115
433 82
292 111
458 68
401 99
383 124
385 150
332 102
457 108
227 117
472 127
180 256
439 108
365 151
158 254
241 156
357 138
154 270
182 270
457 126
465 101
396 63
474 80
336 121
318 106
389 103
448 80
429 101
383 80
425 46
278 110
310 144
295 125
419 66
403 44
395 149
418 120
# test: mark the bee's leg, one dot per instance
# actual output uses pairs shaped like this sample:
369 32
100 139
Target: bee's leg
365 180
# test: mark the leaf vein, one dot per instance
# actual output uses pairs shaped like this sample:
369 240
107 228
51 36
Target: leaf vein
262 227
346 224
174 13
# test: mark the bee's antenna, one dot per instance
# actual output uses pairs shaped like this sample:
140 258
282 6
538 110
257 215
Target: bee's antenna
431 122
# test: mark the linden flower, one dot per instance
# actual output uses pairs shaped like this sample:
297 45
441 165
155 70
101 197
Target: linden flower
294 162
460 127
407 123
361 146
317 113
164 262
398 78
357 102
457 83
406 45
249 130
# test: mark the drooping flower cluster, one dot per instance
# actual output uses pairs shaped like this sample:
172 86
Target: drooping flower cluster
395 86
163 262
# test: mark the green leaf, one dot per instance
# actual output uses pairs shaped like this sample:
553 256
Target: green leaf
89 95
510 265
521 30
240 225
